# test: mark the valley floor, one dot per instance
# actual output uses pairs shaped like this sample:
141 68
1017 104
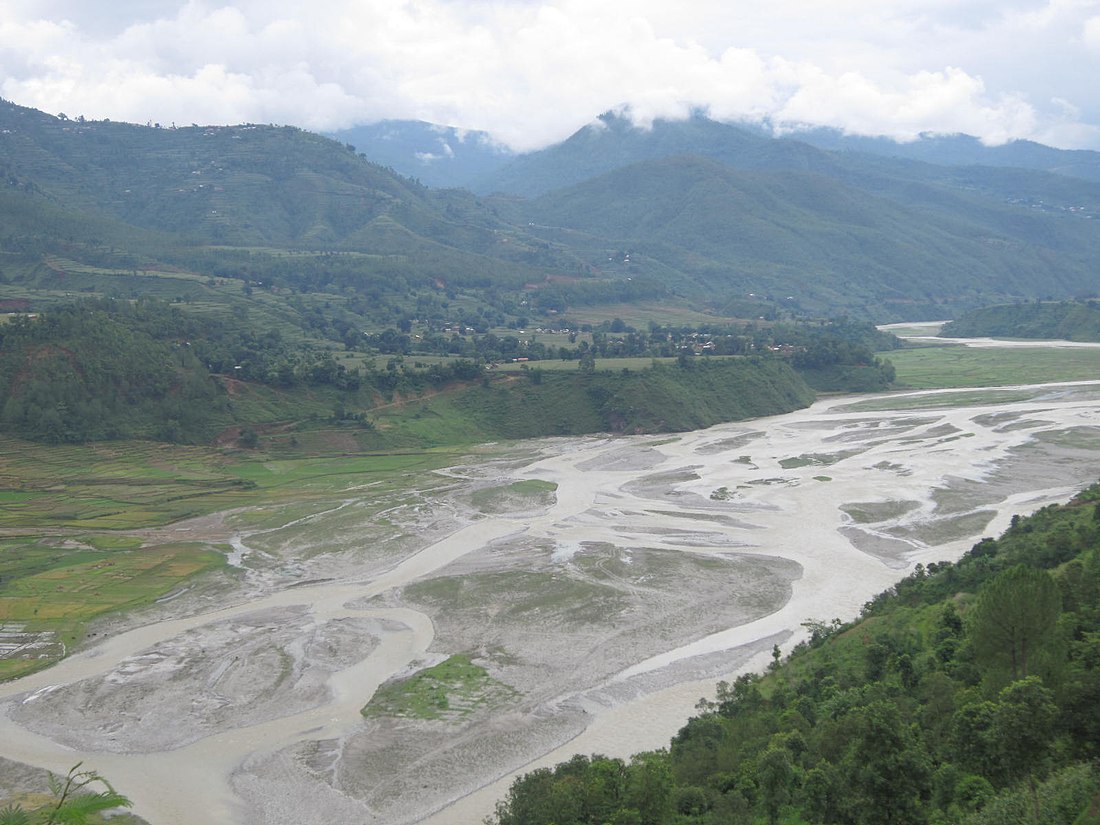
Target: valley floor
599 603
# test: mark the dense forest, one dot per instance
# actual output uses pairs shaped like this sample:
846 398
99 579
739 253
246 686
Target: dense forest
1064 320
968 694
84 373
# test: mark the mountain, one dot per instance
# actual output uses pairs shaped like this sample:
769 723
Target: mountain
962 150
246 184
813 240
711 216
189 194
438 156
613 141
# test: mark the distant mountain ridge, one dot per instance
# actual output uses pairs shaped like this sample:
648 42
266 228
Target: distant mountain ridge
962 150
810 239
444 156
439 156
713 215
613 141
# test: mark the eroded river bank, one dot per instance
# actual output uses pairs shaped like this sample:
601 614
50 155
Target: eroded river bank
601 610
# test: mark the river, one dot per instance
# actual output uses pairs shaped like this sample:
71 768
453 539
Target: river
672 562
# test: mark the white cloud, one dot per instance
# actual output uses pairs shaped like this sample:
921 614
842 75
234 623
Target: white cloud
1091 33
532 71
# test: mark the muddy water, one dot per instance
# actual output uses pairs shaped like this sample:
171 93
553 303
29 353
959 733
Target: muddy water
797 487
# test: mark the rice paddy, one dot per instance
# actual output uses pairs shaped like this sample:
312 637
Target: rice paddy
77 522
49 591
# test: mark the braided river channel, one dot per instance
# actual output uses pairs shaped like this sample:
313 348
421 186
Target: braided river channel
604 584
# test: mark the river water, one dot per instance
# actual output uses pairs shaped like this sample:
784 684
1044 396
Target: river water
841 499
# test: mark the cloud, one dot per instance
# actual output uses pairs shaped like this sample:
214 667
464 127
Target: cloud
532 71
1091 33
950 101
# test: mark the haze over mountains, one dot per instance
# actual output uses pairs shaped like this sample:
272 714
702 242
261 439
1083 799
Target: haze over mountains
716 215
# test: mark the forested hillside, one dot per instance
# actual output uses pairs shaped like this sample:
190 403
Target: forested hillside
1065 320
910 239
969 693
82 373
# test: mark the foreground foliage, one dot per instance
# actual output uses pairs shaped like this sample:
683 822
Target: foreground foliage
79 798
969 693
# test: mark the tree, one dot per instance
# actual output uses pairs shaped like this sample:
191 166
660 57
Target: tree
775 775
1024 729
821 794
1014 622
886 774
649 788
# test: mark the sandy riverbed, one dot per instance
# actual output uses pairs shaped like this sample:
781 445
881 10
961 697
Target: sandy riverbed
606 610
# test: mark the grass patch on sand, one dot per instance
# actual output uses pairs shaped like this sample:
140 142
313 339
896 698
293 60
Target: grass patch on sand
452 690
1081 438
519 495
873 512
816 459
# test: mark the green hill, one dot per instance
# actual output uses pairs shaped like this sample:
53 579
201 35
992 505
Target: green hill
171 192
694 212
1065 320
821 240
83 374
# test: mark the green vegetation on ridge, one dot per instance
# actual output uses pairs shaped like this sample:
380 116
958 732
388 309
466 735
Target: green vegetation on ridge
1064 320
108 369
705 214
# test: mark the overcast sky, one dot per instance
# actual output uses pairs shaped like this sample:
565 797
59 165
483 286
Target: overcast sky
533 71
